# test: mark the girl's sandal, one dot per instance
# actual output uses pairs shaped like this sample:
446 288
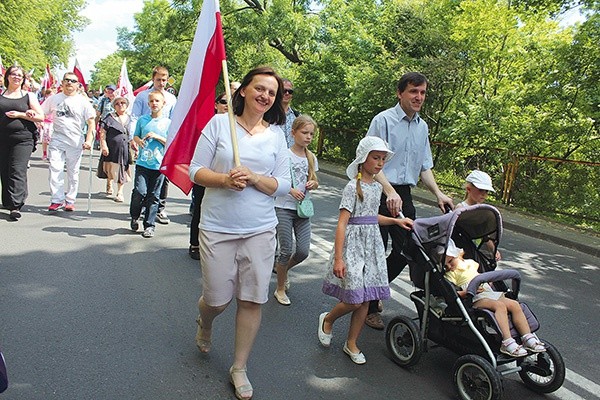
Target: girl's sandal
532 343
513 349
201 342
243 391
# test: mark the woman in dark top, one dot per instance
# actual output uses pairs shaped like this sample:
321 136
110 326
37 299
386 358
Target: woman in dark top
114 143
19 110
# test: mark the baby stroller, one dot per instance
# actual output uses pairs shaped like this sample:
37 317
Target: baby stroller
452 322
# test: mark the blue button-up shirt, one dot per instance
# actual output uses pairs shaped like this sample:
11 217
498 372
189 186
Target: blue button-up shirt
408 139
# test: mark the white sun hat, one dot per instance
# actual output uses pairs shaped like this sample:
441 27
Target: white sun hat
480 180
453 250
365 146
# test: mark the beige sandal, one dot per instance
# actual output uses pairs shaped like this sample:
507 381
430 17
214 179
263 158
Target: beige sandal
202 344
244 391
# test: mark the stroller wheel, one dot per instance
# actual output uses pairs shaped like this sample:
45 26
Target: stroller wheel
476 379
543 372
403 341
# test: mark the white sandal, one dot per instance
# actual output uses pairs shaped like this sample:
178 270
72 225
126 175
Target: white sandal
511 348
532 343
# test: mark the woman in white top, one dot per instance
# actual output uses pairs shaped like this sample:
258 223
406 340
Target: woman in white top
237 222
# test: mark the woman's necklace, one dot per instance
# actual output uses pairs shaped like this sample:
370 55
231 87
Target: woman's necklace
251 131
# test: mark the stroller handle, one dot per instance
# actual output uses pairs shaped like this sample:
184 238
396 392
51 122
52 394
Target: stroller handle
493 276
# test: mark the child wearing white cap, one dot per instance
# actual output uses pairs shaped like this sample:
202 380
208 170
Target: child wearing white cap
357 271
478 185
460 272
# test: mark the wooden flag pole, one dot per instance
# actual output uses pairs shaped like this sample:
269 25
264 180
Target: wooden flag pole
234 143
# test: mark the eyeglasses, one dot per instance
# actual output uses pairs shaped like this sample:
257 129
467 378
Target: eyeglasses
71 80
288 91
121 103
222 101
16 76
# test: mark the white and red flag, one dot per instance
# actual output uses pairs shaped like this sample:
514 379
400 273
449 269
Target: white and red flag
124 87
145 86
2 67
195 105
48 79
77 71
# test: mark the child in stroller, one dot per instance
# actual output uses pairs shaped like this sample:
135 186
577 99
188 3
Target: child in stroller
473 333
460 272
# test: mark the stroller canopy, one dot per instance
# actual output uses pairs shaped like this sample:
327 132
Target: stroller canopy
476 222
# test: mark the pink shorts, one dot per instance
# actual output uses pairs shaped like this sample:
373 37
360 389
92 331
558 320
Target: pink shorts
239 265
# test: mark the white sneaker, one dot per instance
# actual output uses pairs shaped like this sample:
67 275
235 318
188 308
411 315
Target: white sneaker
162 218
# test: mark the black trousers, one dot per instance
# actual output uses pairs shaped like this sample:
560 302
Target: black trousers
15 151
399 236
164 192
197 195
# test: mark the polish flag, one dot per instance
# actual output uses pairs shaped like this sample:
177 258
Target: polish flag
195 104
2 67
145 86
124 88
48 79
79 74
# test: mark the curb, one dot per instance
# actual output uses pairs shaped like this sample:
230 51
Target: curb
338 171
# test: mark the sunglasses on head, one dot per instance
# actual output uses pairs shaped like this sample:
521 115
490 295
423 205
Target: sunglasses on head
222 101
288 91
68 80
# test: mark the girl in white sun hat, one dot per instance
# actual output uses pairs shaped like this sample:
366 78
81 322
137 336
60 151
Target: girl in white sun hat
357 271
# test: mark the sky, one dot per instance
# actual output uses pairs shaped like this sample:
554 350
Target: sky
99 38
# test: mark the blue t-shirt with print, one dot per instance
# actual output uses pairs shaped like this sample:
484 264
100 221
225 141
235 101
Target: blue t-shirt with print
151 155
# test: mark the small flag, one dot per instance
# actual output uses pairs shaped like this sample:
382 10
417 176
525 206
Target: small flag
195 105
145 86
124 88
79 74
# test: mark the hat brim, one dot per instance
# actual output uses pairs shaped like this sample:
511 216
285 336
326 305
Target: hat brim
352 169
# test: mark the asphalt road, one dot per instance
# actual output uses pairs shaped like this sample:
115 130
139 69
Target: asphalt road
89 310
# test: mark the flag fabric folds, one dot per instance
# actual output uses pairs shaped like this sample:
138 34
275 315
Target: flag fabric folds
2 66
48 81
145 86
77 71
195 104
124 87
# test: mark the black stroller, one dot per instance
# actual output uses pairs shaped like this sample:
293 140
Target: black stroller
452 322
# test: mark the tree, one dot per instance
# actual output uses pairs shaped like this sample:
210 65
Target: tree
37 32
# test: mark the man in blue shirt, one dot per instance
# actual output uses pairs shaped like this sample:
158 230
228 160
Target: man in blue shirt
407 135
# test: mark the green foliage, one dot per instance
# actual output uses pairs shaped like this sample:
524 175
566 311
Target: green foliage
37 32
506 82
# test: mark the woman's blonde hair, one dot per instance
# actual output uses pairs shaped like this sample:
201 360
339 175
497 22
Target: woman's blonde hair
300 122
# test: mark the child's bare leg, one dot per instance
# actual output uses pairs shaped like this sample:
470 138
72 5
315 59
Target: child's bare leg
339 310
500 312
357 322
518 317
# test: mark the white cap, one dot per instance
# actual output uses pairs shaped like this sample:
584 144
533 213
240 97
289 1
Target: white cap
452 250
365 146
480 180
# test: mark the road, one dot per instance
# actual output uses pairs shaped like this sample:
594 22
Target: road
90 310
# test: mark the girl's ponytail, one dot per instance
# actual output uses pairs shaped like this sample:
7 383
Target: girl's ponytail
359 192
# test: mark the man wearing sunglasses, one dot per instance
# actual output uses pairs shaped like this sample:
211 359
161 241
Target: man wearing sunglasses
70 111
290 113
